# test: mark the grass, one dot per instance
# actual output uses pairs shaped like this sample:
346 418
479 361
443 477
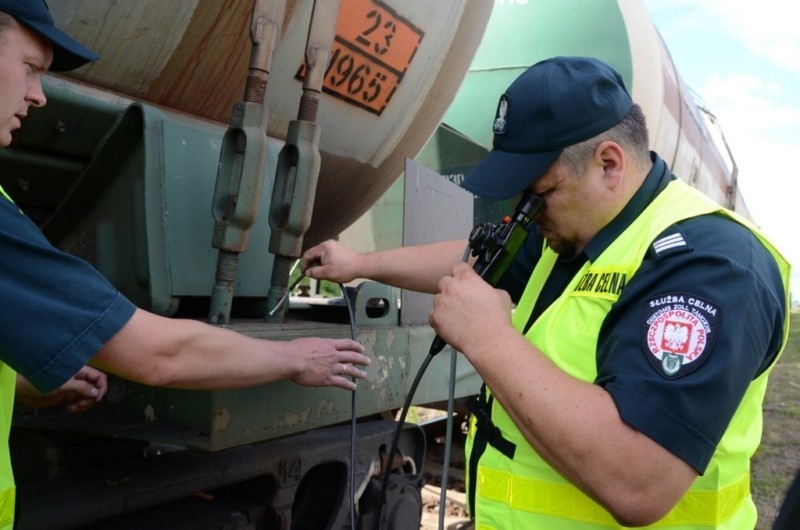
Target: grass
778 460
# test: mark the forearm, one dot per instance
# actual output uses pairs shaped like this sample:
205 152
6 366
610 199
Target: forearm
189 354
210 357
179 353
417 268
575 426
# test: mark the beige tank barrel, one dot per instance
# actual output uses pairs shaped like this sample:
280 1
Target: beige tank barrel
396 66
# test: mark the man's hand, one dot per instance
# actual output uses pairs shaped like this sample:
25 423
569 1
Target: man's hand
329 362
331 261
79 394
468 311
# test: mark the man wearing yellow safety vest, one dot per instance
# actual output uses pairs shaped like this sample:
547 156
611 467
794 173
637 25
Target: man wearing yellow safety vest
58 313
626 387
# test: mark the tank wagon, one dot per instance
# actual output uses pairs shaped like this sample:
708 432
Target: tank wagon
210 145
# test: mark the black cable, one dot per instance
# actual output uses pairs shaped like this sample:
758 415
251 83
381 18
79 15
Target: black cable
494 246
396 438
401 422
448 437
352 318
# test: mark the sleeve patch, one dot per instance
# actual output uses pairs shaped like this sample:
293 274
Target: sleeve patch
678 332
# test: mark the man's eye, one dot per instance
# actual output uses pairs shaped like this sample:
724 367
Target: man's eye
33 68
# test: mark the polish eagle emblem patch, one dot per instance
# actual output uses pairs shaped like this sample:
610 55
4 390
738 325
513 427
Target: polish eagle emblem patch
678 332
500 124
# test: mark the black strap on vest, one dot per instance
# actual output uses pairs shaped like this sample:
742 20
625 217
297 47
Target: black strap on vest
486 428
486 433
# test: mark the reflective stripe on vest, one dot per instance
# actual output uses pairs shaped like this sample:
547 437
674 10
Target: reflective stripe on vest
567 332
704 508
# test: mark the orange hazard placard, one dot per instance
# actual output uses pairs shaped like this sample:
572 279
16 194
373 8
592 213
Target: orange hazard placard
371 52
378 32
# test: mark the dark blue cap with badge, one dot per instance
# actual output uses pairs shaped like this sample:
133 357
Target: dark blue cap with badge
68 53
555 103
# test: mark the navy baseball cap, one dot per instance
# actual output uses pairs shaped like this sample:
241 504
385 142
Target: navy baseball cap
68 53
555 103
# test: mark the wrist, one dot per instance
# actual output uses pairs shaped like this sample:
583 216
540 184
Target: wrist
490 340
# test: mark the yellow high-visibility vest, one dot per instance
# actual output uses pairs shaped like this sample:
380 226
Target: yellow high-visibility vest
8 491
8 382
525 492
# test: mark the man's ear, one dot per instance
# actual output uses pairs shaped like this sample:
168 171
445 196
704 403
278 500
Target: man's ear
611 157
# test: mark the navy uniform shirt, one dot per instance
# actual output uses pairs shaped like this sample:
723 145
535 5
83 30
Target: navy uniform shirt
709 261
57 311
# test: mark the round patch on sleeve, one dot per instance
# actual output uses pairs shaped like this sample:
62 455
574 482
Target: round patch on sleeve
679 331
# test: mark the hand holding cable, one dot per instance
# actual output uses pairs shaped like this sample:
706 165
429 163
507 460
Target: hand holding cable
468 309
495 246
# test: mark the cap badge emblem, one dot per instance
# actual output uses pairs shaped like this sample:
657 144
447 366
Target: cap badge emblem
500 123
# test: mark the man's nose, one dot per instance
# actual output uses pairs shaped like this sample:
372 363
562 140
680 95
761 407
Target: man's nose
36 95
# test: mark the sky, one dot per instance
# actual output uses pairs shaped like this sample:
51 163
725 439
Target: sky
742 60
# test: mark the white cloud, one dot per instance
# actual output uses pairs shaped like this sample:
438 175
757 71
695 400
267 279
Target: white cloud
754 97
749 103
750 111
783 54
767 28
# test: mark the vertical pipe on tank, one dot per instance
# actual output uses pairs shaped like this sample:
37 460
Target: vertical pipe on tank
732 192
243 160
298 165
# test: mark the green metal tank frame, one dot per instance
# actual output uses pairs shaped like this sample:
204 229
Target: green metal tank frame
139 208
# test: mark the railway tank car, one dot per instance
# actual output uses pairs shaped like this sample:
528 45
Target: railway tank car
621 33
522 32
122 168
169 145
